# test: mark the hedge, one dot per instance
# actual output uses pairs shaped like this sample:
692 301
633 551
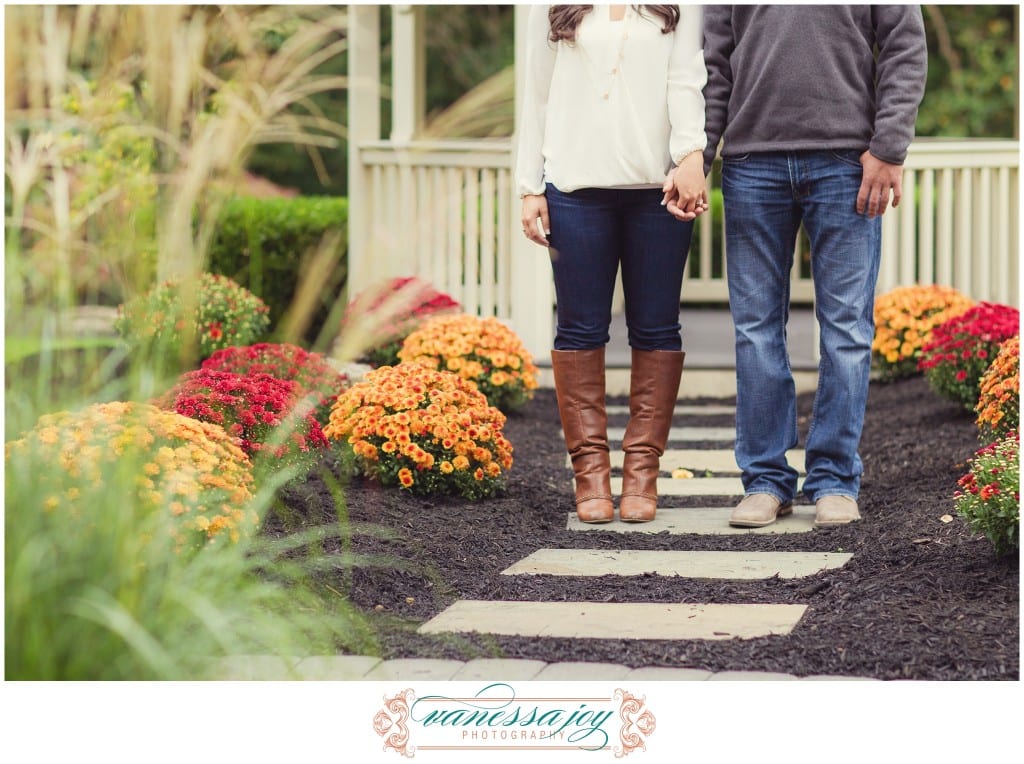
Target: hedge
263 243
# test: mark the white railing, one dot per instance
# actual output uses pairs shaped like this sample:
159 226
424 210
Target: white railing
964 230
441 211
446 211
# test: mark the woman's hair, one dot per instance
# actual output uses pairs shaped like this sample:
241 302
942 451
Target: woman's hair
565 19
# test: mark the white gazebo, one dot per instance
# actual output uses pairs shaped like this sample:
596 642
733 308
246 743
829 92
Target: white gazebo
446 210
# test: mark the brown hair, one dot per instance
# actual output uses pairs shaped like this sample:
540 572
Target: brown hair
565 19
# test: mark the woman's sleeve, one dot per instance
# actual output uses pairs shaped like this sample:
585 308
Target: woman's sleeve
540 62
686 78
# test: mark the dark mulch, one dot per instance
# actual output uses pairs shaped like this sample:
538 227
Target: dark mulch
921 598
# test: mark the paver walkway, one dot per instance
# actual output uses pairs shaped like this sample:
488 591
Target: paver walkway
603 620
628 620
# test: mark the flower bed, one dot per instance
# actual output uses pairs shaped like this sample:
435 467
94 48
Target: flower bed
998 406
224 315
424 430
256 409
189 469
989 498
961 349
482 351
904 319
310 371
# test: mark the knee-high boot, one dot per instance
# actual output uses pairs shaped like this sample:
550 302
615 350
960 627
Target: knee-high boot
580 387
653 389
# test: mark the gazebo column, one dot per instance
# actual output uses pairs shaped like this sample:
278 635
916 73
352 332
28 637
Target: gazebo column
408 72
363 126
532 297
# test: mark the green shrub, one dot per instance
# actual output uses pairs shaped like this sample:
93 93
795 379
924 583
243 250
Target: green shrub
264 245
989 495
220 314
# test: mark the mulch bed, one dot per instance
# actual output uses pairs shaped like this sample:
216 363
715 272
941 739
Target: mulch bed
921 598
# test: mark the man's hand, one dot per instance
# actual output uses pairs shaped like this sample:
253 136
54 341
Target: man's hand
536 206
685 188
879 179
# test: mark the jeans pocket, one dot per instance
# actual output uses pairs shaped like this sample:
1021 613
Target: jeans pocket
847 156
735 158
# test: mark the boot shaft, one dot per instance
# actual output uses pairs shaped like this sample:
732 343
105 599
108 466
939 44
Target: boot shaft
653 391
580 388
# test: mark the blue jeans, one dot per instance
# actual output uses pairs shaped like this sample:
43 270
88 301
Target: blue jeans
593 232
767 196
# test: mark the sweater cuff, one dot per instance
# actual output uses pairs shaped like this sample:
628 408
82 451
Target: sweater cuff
887 153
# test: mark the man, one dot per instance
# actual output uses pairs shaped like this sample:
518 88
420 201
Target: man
815 106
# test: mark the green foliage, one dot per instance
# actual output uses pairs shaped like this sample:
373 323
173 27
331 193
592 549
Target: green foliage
263 245
989 495
469 46
104 594
180 323
972 71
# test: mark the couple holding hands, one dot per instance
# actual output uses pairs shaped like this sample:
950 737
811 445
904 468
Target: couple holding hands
624 109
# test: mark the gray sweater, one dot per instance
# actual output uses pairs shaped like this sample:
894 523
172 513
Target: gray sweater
813 77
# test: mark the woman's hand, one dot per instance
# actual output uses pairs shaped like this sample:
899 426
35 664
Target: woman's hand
686 195
536 206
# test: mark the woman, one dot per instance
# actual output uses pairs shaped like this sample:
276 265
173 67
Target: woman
612 103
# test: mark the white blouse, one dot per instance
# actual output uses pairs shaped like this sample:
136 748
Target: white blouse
616 108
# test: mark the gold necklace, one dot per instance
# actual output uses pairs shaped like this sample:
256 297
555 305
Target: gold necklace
609 78
617 66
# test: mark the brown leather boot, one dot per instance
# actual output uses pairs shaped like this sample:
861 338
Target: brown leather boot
579 385
653 388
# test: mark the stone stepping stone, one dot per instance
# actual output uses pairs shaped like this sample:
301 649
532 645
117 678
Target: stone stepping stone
637 562
700 459
480 669
721 486
684 434
410 669
716 460
682 410
702 520
614 620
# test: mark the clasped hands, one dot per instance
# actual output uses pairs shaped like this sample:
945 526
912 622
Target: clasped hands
685 197
685 190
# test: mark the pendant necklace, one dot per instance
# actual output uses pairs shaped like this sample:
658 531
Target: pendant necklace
616 66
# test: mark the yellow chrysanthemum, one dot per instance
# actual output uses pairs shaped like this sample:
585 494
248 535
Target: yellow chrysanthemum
186 468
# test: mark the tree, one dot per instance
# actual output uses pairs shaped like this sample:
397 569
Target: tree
972 71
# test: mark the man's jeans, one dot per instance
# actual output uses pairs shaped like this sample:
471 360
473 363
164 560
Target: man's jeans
767 195
593 232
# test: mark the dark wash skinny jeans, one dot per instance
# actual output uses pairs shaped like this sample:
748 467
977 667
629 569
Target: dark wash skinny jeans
594 231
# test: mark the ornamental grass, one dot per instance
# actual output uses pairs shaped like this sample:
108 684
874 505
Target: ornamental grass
310 371
483 351
904 319
422 301
192 470
423 430
259 410
123 142
218 315
998 406
989 494
961 349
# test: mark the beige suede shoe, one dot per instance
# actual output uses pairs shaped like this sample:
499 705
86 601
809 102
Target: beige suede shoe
835 510
757 510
